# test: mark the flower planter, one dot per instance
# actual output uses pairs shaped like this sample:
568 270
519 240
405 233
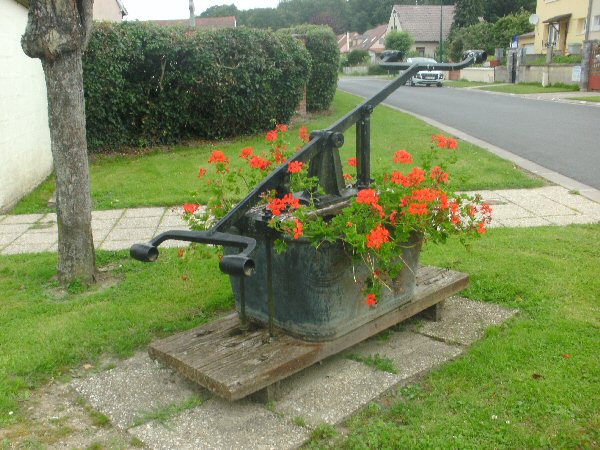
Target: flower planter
317 293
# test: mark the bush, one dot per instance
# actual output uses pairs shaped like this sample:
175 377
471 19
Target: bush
322 45
357 57
149 85
399 40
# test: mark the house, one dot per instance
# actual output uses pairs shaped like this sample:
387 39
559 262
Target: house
372 41
25 153
201 22
527 41
422 22
25 156
110 10
562 25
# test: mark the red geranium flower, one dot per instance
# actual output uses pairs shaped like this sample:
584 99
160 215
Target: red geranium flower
402 157
190 208
218 157
247 152
304 135
295 167
297 229
352 162
371 300
271 136
367 196
201 172
378 236
259 163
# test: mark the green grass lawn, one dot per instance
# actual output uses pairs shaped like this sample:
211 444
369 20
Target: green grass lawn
594 98
529 88
513 389
530 383
465 83
165 178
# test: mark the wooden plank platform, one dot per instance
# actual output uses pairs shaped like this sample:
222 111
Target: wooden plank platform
232 364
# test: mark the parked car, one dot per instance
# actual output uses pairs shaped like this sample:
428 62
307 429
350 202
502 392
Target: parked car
426 77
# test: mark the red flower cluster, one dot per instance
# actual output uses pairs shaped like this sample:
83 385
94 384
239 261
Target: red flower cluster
218 157
444 142
191 208
367 196
278 205
201 172
418 209
378 236
271 136
281 127
402 157
304 135
415 177
371 300
439 175
295 167
352 162
247 152
297 229
259 163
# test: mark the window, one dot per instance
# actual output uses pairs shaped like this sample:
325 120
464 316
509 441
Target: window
421 51
596 23
553 34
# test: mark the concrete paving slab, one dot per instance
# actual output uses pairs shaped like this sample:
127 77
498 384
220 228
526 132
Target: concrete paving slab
46 237
130 234
412 353
22 218
572 220
137 386
511 211
332 391
49 217
2 217
219 424
8 228
15 249
101 224
526 222
173 221
8 238
100 235
138 222
144 212
43 227
107 214
464 321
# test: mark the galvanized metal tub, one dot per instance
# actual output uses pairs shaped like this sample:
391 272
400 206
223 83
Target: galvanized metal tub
318 293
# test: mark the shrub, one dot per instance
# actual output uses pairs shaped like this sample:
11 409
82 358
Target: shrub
149 85
357 57
322 45
399 40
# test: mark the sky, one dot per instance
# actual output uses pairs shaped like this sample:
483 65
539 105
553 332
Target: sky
178 9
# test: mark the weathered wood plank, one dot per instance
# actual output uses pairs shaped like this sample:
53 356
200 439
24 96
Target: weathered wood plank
233 364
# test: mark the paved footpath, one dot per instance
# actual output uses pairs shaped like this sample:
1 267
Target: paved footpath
120 228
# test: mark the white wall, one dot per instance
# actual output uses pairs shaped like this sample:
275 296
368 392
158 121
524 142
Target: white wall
25 157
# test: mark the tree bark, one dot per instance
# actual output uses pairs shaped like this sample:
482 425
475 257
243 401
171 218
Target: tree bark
66 111
57 33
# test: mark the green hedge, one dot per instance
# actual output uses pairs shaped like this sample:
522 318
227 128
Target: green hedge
149 85
322 45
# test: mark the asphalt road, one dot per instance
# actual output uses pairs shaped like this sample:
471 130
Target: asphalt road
559 136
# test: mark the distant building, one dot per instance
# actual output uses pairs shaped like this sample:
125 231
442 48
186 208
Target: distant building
201 22
109 10
372 41
423 24
562 24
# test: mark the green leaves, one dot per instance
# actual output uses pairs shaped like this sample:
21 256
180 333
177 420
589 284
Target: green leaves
147 85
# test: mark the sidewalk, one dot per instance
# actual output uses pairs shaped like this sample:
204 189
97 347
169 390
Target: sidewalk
120 228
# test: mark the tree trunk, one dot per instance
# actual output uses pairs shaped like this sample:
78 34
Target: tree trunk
66 111
57 33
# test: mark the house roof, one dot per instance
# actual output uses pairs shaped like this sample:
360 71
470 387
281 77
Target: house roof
362 41
423 22
556 19
201 22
